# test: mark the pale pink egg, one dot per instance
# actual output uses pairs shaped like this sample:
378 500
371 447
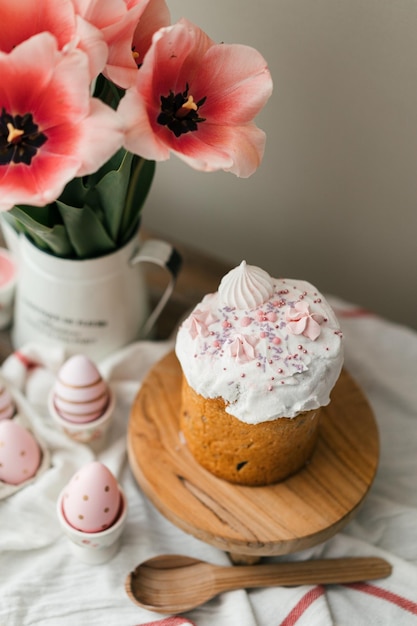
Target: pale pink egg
92 500
20 453
80 393
7 405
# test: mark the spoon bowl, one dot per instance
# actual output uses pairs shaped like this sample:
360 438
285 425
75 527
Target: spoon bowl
176 584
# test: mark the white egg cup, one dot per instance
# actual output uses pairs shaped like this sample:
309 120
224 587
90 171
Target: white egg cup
93 433
99 547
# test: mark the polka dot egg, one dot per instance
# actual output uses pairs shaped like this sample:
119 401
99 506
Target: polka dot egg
80 394
20 453
92 499
7 405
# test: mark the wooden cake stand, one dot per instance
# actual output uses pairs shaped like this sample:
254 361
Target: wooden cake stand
248 522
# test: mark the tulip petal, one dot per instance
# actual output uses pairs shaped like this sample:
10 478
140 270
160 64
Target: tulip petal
29 17
122 66
101 136
238 81
139 135
91 42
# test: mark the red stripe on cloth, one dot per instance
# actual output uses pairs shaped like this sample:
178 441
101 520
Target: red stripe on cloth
383 594
28 363
301 607
353 313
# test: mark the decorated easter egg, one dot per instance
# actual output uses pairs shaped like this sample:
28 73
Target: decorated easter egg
80 394
91 500
7 405
20 453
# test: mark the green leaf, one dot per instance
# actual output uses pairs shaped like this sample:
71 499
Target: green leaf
75 193
85 231
112 191
141 177
113 163
50 239
107 91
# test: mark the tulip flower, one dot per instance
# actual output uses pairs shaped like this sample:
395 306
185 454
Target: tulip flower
21 20
198 99
51 130
127 27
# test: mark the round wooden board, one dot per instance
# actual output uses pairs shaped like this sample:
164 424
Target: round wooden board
293 515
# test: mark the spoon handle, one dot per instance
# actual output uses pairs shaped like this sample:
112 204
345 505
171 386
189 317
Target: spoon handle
315 572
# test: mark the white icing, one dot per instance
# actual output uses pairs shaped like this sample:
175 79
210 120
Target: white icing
245 287
279 358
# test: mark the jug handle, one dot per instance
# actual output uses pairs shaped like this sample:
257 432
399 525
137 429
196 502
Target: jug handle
167 257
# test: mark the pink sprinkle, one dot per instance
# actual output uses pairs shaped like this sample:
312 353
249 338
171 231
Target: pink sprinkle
216 344
272 317
245 321
270 388
263 334
226 324
276 341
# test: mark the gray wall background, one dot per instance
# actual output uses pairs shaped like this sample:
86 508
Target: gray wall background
335 200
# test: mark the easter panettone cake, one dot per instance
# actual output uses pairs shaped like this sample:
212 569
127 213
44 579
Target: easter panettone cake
259 359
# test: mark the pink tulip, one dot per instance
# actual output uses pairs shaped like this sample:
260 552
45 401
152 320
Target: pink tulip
127 27
21 20
198 100
51 130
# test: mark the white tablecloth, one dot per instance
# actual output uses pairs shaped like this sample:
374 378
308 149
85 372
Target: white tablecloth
42 583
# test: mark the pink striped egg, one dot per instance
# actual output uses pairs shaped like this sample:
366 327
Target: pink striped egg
80 394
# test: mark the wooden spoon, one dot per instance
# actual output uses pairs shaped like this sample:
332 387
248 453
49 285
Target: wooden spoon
176 584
